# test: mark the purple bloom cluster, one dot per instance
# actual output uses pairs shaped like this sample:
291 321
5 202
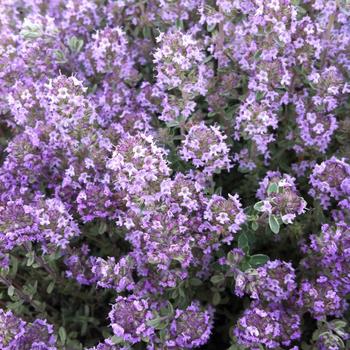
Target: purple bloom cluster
329 250
190 328
180 65
206 148
38 220
110 274
272 327
18 334
321 297
279 198
331 180
273 282
129 318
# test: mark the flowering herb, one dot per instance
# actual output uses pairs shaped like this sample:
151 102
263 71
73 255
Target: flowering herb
174 174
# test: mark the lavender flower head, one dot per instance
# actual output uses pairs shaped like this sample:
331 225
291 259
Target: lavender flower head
205 148
330 250
273 282
225 216
272 327
191 327
42 220
254 122
18 334
321 297
138 166
180 64
331 180
280 197
110 274
129 316
108 53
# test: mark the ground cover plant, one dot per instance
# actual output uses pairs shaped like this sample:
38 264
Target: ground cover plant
174 174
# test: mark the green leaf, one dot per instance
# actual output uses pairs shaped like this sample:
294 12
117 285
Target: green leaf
259 95
14 267
60 56
167 311
258 260
181 292
31 30
208 59
274 224
273 188
102 228
244 265
172 123
195 282
174 294
231 258
30 257
146 31
63 335
243 242
162 325
338 324
216 279
154 322
255 225
216 298
235 347
257 54
162 335
116 340
258 206
75 44
210 28
11 291
179 24
50 287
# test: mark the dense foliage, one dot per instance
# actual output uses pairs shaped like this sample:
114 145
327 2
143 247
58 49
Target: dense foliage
174 174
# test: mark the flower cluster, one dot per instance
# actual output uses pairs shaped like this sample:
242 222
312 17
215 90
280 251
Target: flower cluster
138 166
273 327
330 251
225 216
280 200
18 334
180 64
107 53
321 297
190 328
331 180
206 148
39 220
110 274
129 318
273 282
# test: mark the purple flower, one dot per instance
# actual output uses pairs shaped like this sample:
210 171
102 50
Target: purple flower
225 216
205 148
17 334
273 282
191 327
110 274
272 326
330 250
329 181
129 316
321 297
280 197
